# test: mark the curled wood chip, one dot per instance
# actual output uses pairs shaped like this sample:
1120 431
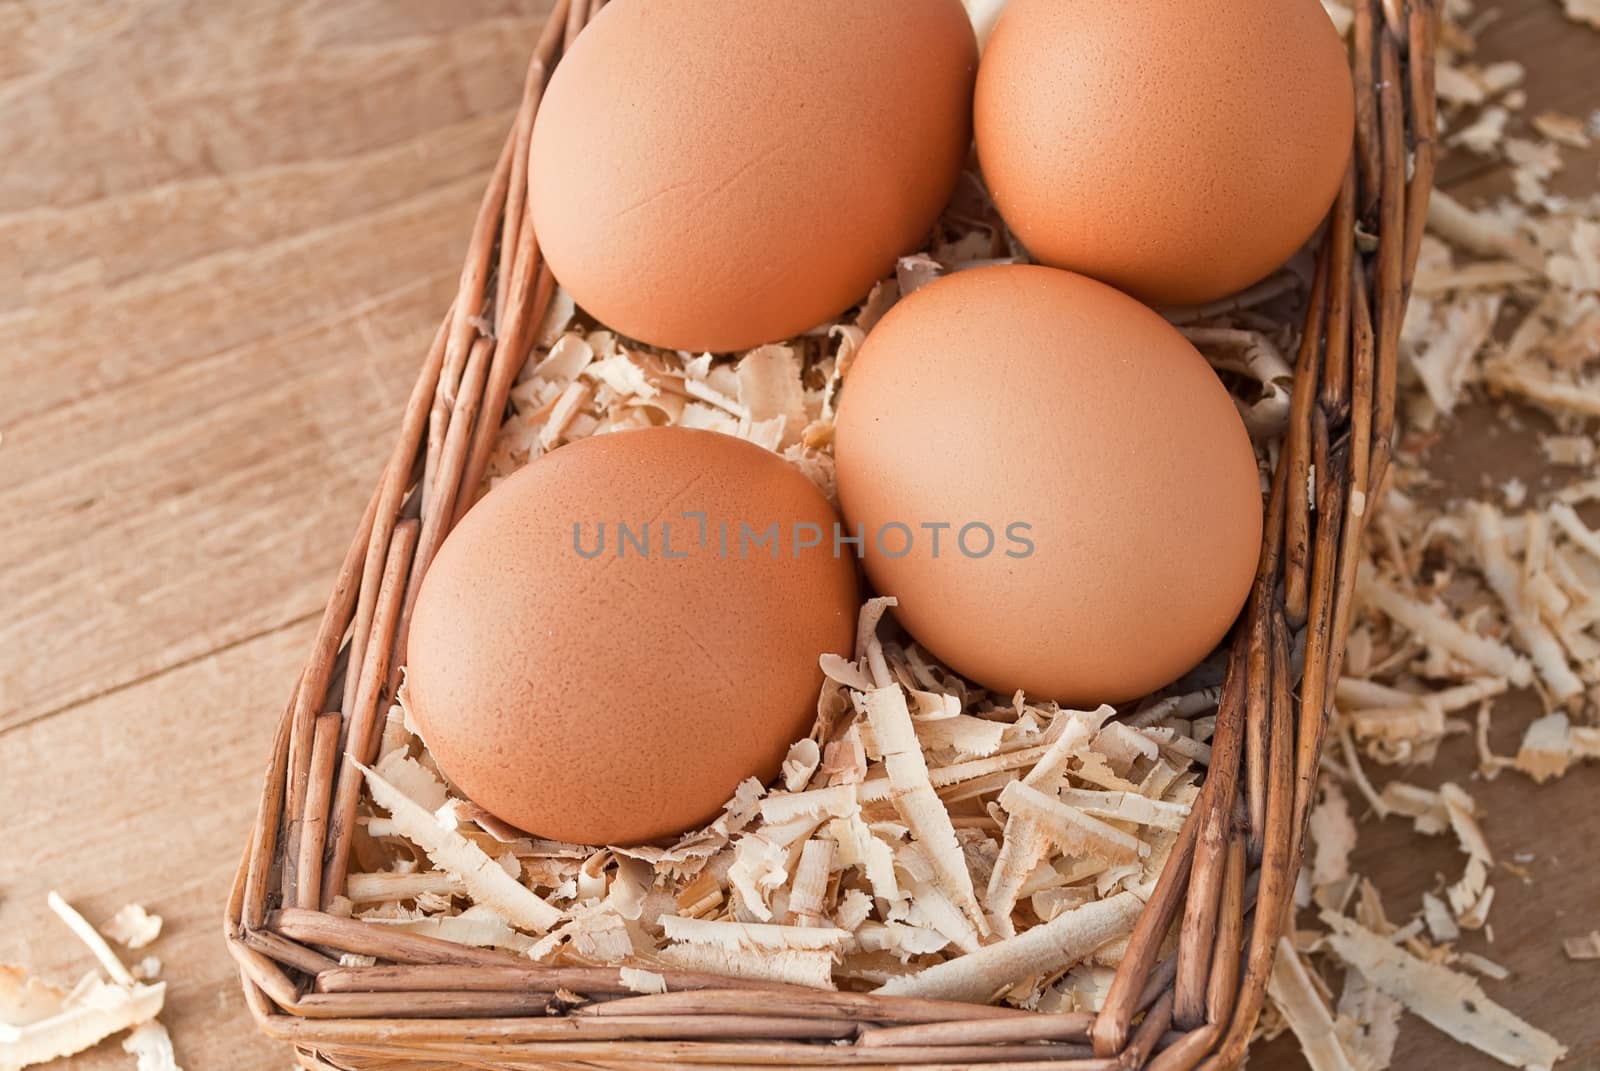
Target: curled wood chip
1138 808
133 927
916 800
810 887
1071 830
1486 133
485 880
800 764
478 926
928 907
1547 748
1479 232
1436 915
1296 996
1586 947
92 1012
964 736
760 867
770 389
796 955
151 1045
1333 835
91 939
1451 1002
641 981
1061 942
1367 1021
1445 364
1482 965
1565 129
388 886
1549 658
904 941
752 935
858 846
813 969
1437 626
1425 806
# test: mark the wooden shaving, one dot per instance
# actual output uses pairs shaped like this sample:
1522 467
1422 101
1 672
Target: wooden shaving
40 1022
484 879
751 935
91 939
1333 833
643 982
1059 943
133 927
1586 947
915 798
477 926
1547 749
1300 1003
1073 831
1482 965
92 1012
788 967
151 1045
1449 1001
1367 1022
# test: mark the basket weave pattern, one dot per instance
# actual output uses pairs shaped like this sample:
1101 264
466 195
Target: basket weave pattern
1227 886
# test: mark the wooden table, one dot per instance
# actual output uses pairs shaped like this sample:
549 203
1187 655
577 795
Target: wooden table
226 233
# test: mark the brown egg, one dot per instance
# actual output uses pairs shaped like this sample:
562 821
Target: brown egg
710 175
1179 151
1100 491
586 690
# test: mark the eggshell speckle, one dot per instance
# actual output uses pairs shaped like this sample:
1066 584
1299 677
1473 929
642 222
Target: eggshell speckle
710 175
618 700
1180 151
1026 395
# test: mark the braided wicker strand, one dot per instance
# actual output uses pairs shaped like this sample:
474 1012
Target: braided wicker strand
1227 885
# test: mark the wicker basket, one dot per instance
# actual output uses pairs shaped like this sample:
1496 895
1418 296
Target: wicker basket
432 1004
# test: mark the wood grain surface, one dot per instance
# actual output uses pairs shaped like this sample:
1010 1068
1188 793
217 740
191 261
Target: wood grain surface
226 233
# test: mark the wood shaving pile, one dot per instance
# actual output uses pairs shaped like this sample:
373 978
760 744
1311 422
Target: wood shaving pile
927 839
41 1022
1465 601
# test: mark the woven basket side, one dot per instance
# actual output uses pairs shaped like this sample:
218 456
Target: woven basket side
1227 886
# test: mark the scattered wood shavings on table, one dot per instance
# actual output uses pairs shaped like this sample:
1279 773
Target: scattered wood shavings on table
41 1022
1450 1001
1468 599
